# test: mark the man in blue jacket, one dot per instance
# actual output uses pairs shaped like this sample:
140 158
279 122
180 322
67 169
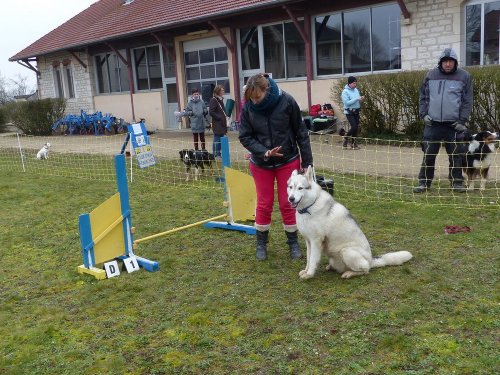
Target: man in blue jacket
445 107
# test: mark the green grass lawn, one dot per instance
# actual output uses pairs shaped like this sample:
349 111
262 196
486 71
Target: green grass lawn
213 309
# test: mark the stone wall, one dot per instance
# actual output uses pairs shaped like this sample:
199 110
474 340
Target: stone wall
434 25
82 81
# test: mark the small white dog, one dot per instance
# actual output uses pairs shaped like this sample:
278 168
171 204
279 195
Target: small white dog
44 152
329 228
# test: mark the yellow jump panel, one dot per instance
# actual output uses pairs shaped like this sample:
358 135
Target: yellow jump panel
242 196
107 230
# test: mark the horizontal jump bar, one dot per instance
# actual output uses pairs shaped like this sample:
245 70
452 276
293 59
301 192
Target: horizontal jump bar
178 229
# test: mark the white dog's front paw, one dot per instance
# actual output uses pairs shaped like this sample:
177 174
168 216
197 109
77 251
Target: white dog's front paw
302 272
306 275
349 274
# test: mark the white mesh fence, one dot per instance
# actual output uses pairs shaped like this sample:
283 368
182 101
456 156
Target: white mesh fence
381 170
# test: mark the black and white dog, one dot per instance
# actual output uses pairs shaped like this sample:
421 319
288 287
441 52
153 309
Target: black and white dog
478 158
197 159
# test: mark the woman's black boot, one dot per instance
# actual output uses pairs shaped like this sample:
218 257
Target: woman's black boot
262 238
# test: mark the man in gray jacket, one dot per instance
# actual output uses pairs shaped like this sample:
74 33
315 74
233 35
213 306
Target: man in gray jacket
445 107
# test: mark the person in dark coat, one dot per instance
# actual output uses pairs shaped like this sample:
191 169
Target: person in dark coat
219 122
272 130
445 106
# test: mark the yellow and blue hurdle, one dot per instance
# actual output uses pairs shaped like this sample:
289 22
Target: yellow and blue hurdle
106 233
239 191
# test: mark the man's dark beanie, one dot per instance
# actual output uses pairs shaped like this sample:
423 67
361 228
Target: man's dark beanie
351 79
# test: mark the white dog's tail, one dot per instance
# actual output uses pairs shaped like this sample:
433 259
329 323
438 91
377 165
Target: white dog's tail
391 259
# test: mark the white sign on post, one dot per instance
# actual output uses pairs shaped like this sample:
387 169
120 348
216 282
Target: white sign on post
140 143
131 264
112 269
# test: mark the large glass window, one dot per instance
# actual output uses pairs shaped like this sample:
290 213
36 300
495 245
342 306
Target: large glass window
274 57
111 73
69 81
63 79
283 50
294 51
386 37
58 82
169 62
205 69
249 42
482 33
356 30
148 68
363 40
329 44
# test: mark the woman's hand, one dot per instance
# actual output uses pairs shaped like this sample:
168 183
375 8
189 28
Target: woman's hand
273 152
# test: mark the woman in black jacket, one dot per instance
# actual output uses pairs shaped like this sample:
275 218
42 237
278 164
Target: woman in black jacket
272 129
219 123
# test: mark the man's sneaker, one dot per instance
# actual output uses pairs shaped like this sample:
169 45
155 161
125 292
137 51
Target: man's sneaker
459 188
355 147
420 189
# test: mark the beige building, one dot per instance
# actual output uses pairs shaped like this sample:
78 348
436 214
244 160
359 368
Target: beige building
141 59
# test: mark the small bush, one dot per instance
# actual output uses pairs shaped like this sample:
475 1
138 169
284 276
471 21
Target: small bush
486 109
36 117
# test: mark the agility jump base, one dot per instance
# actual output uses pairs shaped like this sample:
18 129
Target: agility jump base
106 233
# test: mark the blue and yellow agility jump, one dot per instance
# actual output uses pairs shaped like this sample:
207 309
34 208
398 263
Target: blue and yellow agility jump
106 233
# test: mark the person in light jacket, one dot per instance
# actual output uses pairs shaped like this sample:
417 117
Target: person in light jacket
352 105
197 110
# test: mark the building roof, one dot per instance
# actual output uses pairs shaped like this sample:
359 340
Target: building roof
110 19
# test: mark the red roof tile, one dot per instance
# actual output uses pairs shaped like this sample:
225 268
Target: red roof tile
108 19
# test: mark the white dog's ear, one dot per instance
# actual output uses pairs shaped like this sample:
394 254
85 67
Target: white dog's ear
295 173
309 174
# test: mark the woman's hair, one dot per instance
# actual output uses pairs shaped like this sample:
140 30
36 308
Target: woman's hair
256 82
218 89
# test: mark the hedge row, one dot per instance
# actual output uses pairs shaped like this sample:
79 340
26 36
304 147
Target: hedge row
392 102
35 117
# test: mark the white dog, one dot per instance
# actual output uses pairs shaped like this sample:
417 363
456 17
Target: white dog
44 152
328 227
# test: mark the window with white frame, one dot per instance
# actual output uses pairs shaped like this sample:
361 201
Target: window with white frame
111 73
63 79
362 40
206 68
482 33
